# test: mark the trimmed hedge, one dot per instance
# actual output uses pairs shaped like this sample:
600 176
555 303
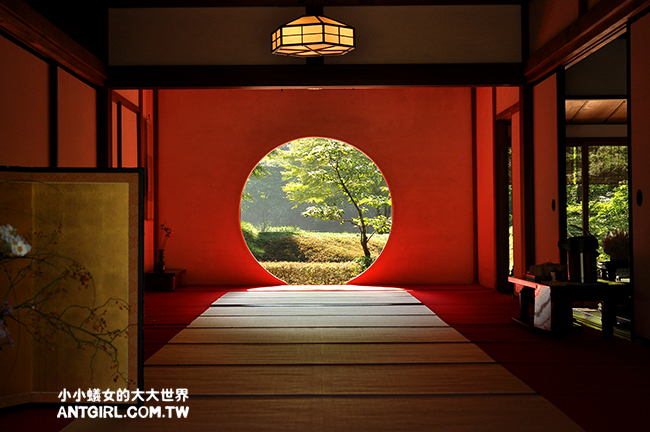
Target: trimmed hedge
313 273
312 247
310 258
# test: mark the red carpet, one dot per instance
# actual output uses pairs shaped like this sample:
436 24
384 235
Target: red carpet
167 313
602 384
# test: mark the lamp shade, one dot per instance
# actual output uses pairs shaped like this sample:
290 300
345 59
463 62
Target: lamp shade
313 35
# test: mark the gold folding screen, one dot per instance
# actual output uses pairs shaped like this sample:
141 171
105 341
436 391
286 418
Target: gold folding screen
75 298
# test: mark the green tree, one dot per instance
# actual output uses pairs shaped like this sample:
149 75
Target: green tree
608 204
328 174
261 194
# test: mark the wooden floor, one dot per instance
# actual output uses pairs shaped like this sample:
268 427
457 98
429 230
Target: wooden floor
333 361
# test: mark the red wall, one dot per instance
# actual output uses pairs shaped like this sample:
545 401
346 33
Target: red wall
421 139
24 108
506 98
485 186
77 116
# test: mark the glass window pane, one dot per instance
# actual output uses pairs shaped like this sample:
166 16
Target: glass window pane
608 193
574 190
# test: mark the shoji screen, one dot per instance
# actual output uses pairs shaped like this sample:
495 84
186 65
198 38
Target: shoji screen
640 155
545 155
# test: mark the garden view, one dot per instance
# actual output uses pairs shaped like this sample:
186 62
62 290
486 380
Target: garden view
316 211
597 197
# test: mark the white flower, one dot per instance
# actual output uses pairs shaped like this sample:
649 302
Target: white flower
7 232
13 243
19 247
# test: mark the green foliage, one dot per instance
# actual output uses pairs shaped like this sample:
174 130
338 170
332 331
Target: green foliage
267 243
329 174
364 262
608 211
608 205
325 180
325 212
250 237
312 273
264 204
262 192
259 172
607 164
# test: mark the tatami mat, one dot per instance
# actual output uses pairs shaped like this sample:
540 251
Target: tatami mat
317 297
258 335
320 321
376 379
381 310
234 354
333 361
471 413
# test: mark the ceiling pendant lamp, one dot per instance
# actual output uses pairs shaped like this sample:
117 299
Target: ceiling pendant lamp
313 35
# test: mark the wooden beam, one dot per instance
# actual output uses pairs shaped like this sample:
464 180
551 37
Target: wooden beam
502 142
54 114
297 3
597 27
475 183
299 76
104 128
30 28
528 171
507 113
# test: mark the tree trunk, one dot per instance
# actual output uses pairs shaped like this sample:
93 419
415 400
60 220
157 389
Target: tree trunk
364 244
362 227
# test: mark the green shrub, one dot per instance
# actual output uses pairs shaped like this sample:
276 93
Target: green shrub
310 258
313 273
364 262
311 247
249 231
250 236
284 229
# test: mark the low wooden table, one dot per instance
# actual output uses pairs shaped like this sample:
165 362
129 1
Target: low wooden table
553 303
167 281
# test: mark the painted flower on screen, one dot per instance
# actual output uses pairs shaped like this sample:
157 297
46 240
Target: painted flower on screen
12 243
40 274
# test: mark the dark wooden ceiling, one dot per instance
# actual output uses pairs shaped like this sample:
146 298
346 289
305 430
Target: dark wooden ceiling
596 111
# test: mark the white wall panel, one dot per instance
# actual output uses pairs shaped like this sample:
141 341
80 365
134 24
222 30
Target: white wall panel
385 35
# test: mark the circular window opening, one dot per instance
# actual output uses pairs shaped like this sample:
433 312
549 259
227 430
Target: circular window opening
316 211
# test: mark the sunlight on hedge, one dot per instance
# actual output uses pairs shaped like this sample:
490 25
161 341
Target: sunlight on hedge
313 273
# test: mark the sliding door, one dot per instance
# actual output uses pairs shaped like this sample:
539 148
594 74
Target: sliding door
640 178
548 127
